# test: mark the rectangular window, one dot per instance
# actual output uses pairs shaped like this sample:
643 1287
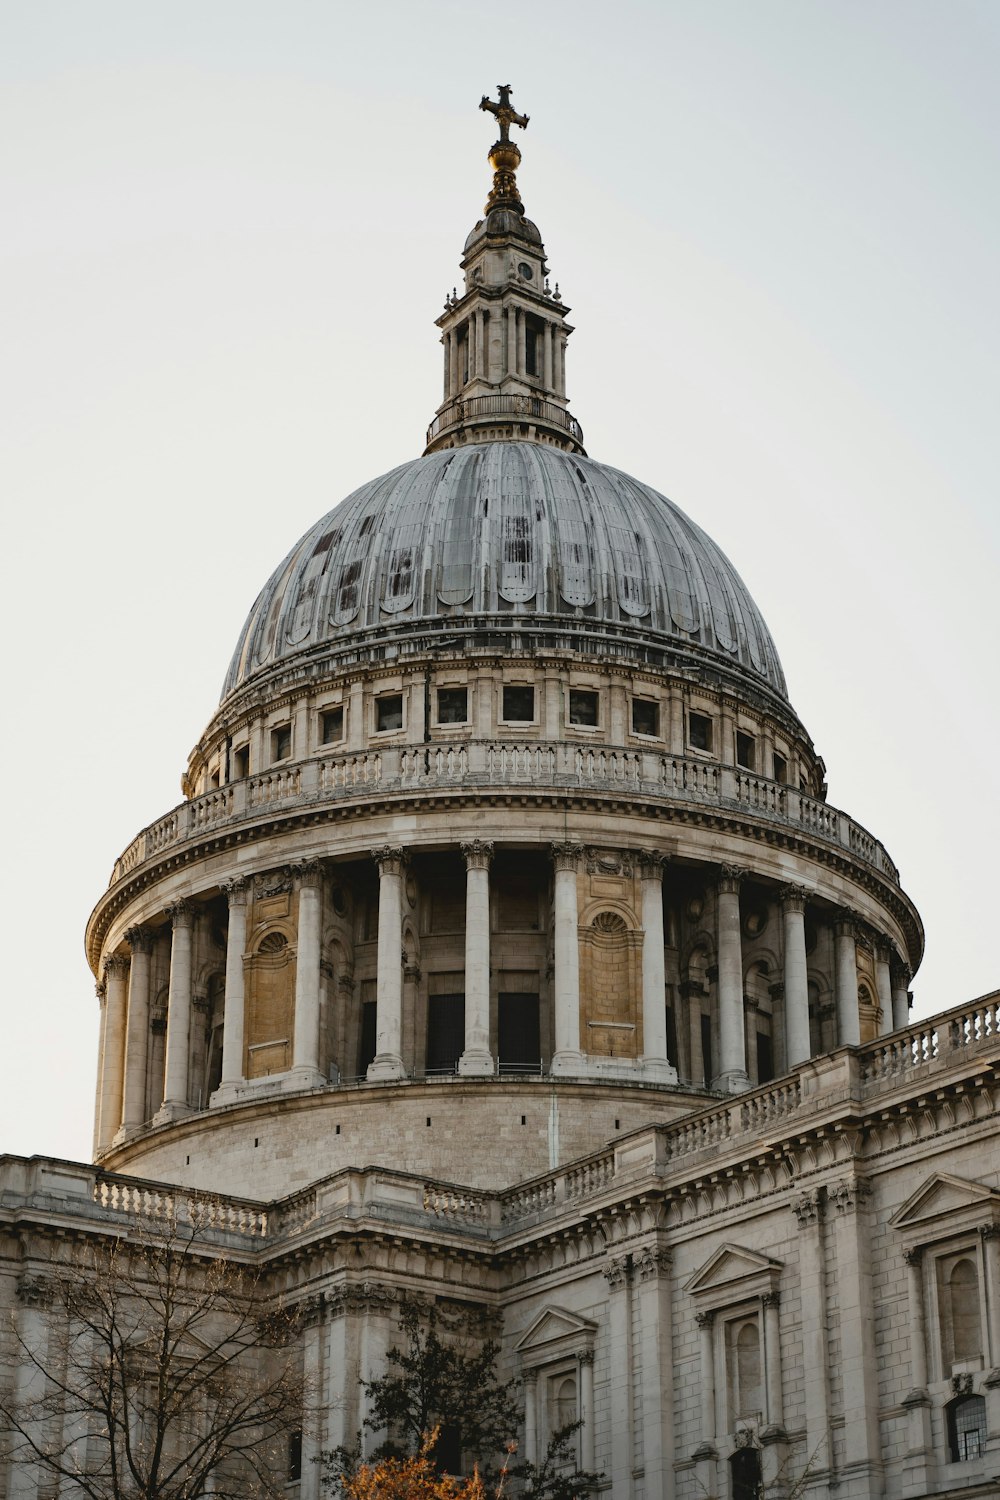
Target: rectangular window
241 763
519 704
745 751
531 350
281 742
367 1043
518 1034
332 725
453 705
583 707
445 1032
780 765
645 716
699 731
706 1048
294 1455
388 713
765 1058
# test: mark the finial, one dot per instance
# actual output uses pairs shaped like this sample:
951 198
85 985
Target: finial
504 157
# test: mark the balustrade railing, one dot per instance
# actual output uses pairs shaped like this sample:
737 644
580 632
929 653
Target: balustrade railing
490 763
517 408
184 1208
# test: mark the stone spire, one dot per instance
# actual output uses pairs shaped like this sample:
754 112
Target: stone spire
505 335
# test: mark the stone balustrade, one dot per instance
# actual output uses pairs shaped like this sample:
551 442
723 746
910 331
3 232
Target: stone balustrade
479 765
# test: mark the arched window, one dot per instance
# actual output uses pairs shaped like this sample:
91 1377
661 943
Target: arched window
745 1475
963 1308
743 1369
966 1428
564 1410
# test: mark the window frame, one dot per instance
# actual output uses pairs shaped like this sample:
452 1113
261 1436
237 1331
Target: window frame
530 687
655 705
327 712
383 697
450 687
274 731
690 715
580 692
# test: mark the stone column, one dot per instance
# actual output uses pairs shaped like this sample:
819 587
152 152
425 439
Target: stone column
588 1446
808 1208
233 1017
855 1315
547 335
848 1017
692 993
101 991
477 1057
732 1075
991 1260
883 983
116 968
446 341
308 877
388 1062
797 1045
772 1362
920 1442
652 1267
616 1272
140 940
175 1090
315 1336
900 977
561 372
531 1416
655 1063
568 1055
522 357
512 341
706 1453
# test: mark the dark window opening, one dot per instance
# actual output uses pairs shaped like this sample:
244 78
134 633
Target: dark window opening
745 751
389 713
966 1429
214 780
745 1475
463 353
453 705
332 725
295 1455
369 1037
765 1058
706 1047
518 1034
699 731
780 765
519 704
531 350
671 1035
241 763
583 707
645 716
445 1032
281 742
448 1449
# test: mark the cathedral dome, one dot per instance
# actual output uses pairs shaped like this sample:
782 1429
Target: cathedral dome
513 532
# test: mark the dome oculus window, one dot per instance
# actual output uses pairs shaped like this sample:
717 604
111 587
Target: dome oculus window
645 717
518 704
388 713
453 705
746 751
281 742
699 731
332 725
584 708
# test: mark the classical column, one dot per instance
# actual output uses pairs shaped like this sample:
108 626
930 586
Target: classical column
855 1316
547 334
512 341
561 364
175 1091
651 1265
522 356
568 1055
620 1375
447 366
732 1075
477 1057
772 1361
116 967
991 1259
308 877
101 991
900 977
793 906
920 1442
808 1209
848 1017
315 1338
140 940
705 1450
233 1019
883 983
655 1063
388 1062
531 1452
588 1447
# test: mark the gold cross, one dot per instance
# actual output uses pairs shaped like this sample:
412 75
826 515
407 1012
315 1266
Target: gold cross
506 115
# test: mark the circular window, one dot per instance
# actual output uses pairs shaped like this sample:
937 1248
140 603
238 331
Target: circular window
525 271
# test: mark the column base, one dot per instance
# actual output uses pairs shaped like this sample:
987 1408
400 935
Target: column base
170 1110
567 1063
385 1068
120 1136
228 1093
734 1081
304 1078
476 1064
658 1070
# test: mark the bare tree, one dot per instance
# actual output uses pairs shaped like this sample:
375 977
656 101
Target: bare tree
164 1373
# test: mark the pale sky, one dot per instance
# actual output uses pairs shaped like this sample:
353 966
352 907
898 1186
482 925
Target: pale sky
228 228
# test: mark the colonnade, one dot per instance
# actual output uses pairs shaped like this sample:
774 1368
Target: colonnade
122 1095
510 357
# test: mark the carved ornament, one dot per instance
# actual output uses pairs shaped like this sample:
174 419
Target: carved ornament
236 890
181 913
651 863
478 853
652 1261
272 883
616 1271
567 856
139 939
807 1207
389 858
117 964
614 862
849 1194
307 873
730 879
793 897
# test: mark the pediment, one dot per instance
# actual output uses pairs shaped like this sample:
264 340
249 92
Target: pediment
944 1196
729 1268
552 1325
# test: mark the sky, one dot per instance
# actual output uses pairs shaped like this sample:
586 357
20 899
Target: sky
228 228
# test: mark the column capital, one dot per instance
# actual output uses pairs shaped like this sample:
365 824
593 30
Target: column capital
181 913
771 1299
566 856
990 1231
616 1271
478 853
412 973
651 863
705 1319
389 858
884 950
846 921
731 878
914 1257
139 939
793 897
236 890
652 1261
850 1193
307 872
807 1208
101 989
900 974
115 963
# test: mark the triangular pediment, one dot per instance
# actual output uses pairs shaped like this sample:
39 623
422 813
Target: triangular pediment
552 1324
730 1265
943 1196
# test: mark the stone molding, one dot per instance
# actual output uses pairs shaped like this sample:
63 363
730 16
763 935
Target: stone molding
478 853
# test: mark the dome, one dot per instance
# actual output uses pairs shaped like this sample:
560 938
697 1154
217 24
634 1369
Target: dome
507 530
504 221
